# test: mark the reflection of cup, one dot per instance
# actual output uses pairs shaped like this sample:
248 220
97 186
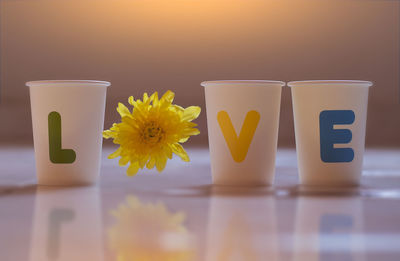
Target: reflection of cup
242 228
68 119
242 119
329 229
67 225
329 154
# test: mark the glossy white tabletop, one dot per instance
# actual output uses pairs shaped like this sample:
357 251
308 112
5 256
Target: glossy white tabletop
178 215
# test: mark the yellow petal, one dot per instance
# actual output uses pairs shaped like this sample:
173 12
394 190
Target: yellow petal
191 132
154 98
167 151
115 153
115 127
123 110
142 160
146 100
178 109
180 151
108 134
151 163
161 161
132 169
123 161
153 95
191 113
168 97
183 140
131 101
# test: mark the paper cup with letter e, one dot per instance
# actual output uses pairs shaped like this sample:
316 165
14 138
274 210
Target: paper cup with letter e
67 119
242 119
330 118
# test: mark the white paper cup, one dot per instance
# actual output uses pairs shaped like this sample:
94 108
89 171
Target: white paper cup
330 118
68 120
242 119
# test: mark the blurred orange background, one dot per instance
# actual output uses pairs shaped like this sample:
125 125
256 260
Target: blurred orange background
156 45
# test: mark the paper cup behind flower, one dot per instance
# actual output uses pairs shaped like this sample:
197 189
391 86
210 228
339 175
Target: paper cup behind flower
67 119
330 119
242 118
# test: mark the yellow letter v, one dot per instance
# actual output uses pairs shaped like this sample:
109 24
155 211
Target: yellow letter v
238 146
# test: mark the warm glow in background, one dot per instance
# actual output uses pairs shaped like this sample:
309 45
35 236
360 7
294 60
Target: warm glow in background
148 45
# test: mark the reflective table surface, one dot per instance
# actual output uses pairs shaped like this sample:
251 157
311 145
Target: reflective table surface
178 215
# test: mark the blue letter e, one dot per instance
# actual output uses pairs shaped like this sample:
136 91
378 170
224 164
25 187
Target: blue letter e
329 136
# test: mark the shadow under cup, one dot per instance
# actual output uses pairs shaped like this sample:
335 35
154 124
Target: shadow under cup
330 121
243 119
68 120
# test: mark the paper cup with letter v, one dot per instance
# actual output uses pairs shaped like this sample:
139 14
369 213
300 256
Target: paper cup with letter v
242 119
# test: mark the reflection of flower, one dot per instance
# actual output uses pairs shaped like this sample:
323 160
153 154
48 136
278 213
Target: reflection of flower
152 132
148 232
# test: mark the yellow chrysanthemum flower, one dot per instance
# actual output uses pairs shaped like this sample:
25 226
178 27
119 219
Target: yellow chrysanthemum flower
149 232
151 133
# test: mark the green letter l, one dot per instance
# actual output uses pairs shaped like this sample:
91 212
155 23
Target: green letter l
57 154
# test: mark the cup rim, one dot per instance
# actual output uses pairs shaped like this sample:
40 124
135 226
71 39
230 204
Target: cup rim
260 82
329 82
69 82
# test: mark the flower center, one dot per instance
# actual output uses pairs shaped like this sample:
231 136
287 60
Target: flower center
152 133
